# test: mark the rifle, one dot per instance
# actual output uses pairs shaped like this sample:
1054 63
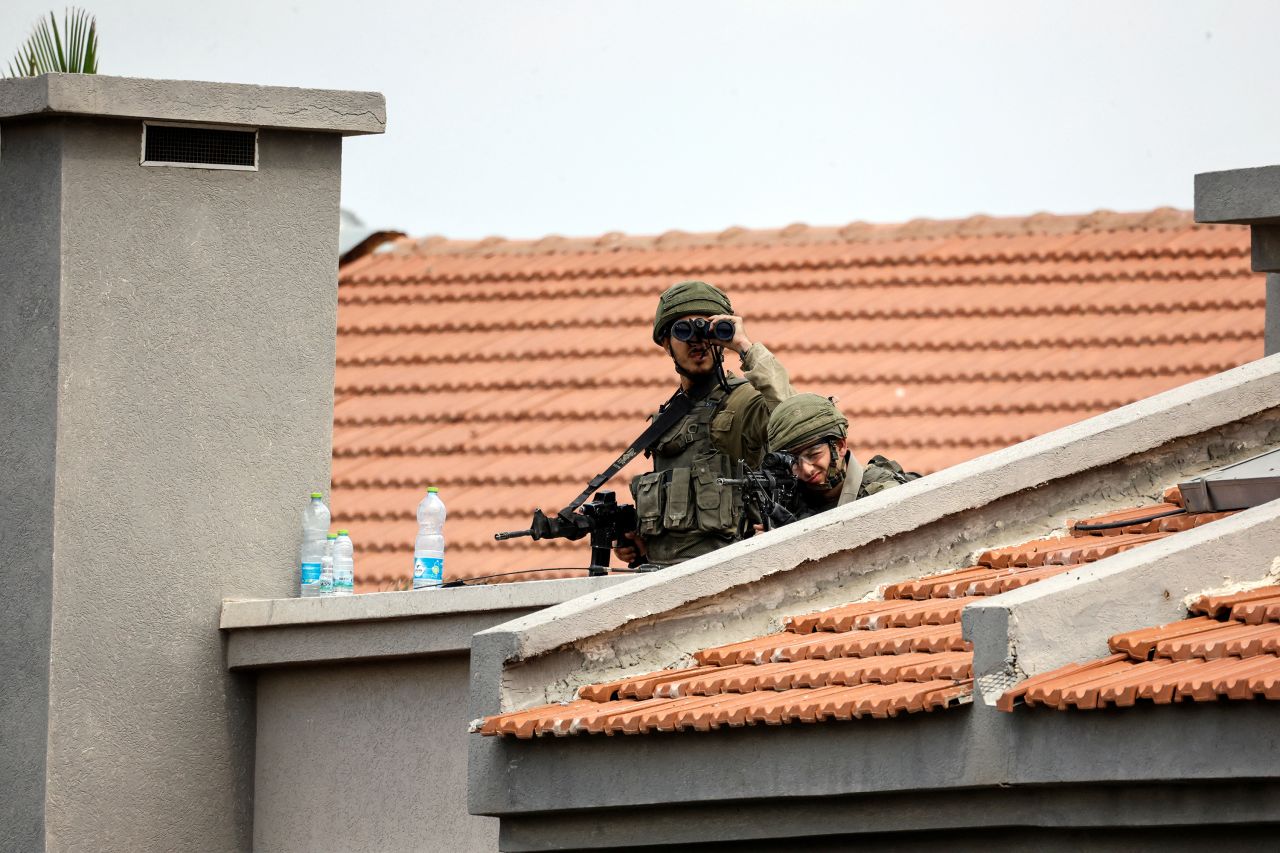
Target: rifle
771 492
604 519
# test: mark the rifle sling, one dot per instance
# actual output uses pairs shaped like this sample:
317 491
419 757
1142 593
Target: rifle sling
676 408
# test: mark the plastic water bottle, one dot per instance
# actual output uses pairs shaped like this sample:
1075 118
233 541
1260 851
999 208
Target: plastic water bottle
344 564
315 527
326 566
428 549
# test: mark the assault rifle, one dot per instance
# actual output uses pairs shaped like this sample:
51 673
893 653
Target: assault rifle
771 494
604 519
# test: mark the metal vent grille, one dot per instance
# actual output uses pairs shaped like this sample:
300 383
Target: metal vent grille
207 147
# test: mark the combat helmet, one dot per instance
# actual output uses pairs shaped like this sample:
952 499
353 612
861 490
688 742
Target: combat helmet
685 298
803 419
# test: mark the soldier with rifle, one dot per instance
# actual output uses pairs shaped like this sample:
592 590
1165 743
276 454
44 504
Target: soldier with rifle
812 430
700 440
715 422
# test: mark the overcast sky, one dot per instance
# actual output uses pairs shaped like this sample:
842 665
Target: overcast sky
584 116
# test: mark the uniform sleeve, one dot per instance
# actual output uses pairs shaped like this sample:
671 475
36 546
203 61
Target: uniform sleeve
767 375
769 386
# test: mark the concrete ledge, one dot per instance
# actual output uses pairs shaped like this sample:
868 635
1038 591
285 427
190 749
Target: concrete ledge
378 626
878 822
1247 196
1068 618
944 750
329 110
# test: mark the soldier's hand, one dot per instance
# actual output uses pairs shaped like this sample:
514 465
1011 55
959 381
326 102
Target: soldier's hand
740 343
631 553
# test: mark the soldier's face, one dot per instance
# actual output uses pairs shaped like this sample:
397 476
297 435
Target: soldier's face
692 358
812 463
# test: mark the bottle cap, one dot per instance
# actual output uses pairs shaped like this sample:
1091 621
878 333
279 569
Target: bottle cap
317 496
432 489
332 536
341 533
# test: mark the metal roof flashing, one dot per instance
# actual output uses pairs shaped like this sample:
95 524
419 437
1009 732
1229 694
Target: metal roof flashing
1240 485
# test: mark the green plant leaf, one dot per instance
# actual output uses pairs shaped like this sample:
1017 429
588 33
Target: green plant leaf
46 50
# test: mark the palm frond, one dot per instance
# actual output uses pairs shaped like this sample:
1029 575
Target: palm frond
45 50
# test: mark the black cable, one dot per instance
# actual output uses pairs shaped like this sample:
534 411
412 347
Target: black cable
1112 525
470 581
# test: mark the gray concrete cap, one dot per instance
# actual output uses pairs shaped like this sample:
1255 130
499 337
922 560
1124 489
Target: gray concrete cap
278 612
328 110
1245 196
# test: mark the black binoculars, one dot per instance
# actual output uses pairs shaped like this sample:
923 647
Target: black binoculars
699 329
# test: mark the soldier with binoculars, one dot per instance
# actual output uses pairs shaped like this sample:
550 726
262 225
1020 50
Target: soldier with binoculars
681 509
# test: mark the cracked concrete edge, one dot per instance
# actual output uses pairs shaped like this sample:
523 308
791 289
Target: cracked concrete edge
289 612
324 110
1069 618
1187 410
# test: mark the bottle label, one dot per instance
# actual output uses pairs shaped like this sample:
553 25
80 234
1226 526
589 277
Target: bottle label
427 571
311 573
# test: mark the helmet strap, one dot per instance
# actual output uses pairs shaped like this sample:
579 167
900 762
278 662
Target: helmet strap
835 467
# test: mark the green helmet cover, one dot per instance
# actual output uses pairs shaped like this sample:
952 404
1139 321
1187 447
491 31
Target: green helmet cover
803 419
685 299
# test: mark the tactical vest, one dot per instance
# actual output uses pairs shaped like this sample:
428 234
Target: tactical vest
681 510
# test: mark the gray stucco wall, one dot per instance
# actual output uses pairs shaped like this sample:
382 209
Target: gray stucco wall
29 275
171 357
366 757
196 374
362 713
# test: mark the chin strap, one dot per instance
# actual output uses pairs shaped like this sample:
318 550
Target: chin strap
836 468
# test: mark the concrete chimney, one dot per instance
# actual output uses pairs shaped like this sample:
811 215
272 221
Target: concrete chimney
168 268
1249 197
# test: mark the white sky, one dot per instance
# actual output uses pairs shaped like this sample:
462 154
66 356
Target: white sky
578 117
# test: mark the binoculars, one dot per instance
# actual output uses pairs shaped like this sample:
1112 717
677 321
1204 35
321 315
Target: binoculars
698 329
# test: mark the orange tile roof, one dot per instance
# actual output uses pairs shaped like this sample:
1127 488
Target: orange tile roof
902 653
508 373
1231 650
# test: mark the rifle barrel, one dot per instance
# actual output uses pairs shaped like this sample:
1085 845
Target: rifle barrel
513 534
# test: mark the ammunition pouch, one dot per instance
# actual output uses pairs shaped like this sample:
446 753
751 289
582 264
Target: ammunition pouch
680 500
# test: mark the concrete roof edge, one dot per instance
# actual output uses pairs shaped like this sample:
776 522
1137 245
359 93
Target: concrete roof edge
282 612
325 110
1101 440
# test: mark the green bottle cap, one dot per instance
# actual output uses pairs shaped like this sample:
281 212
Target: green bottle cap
432 489
315 496
341 533
332 536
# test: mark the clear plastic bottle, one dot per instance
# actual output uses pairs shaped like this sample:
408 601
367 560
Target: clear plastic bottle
315 527
428 549
344 564
326 566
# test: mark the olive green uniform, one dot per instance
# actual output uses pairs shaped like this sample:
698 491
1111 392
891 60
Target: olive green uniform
682 511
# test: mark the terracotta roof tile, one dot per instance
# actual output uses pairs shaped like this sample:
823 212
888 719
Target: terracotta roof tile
509 372
904 653
1252 606
1230 652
